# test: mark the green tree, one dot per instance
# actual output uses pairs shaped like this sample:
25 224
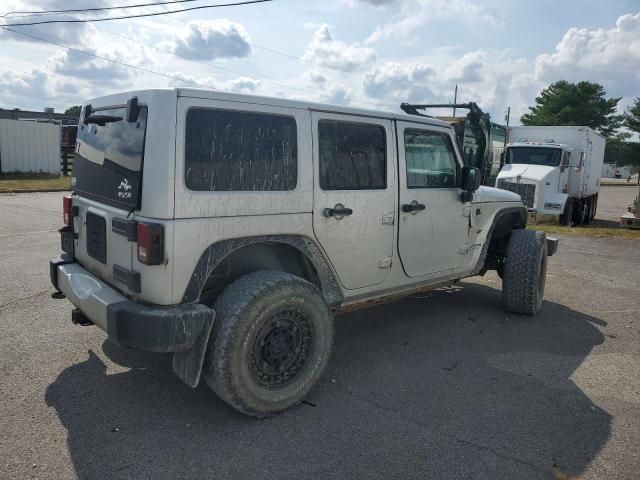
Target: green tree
583 103
75 110
632 117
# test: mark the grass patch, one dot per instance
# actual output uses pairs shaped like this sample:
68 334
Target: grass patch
587 231
11 182
618 182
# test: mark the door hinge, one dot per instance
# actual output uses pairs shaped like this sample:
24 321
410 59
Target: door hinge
388 219
385 263
463 250
466 211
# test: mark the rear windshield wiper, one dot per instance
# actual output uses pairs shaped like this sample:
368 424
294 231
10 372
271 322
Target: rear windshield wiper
102 120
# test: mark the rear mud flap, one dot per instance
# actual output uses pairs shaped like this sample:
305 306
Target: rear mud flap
187 364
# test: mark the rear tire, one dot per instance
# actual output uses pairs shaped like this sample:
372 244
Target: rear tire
270 342
567 216
588 207
525 272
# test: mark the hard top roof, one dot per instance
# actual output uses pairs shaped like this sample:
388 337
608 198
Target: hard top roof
301 104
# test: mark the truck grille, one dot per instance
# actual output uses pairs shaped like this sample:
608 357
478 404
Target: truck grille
526 190
96 237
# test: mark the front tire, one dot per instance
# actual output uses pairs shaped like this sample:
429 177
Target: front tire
525 272
567 216
270 342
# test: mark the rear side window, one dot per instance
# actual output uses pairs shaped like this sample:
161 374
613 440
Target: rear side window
353 156
429 158
229 150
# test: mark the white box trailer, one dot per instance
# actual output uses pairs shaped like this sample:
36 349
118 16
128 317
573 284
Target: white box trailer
29 146
556 170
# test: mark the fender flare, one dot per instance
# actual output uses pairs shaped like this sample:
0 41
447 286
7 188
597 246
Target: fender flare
217 252
187 364
496 219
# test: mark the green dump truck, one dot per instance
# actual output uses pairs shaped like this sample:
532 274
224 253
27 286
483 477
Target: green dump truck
480 140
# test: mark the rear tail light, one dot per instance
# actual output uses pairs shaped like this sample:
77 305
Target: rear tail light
66 210
150 241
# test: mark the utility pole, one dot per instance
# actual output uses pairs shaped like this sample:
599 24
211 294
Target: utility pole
455 99
507 116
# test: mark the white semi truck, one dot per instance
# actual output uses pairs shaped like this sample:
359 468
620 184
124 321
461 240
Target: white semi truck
556 170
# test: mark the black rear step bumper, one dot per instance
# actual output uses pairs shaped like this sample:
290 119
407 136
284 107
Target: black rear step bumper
127 323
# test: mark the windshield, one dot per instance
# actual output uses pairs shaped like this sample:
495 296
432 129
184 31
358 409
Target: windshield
109 155
534 155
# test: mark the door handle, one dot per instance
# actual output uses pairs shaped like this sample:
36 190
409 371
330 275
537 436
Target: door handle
338 212
413 207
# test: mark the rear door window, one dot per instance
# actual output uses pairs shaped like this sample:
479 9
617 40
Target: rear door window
230 150
353 156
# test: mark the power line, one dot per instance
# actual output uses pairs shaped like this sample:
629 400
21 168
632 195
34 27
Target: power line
298 59
84 52
79 10
123 17
235 72
179 79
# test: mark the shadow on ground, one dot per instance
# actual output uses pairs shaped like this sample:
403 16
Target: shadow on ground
443 386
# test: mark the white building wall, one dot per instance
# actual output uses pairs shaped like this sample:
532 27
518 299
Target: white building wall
29 147
608 170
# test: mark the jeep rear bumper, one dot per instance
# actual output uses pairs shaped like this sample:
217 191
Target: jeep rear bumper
128 323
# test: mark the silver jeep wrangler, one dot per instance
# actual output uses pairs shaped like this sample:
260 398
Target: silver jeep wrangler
229 229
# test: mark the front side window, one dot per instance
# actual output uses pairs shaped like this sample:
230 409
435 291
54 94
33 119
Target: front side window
429 159
353 156
229 150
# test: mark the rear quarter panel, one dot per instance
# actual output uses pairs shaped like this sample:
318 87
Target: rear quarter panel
203 218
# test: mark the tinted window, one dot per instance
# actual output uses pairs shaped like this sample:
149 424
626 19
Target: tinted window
429 159
243 151
109 156
352 156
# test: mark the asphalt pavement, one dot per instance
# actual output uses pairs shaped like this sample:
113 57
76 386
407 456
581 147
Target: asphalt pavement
444 385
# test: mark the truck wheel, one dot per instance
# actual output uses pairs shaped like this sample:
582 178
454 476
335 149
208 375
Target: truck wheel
270 342
525 271
588 206
567 216
594 207
578 213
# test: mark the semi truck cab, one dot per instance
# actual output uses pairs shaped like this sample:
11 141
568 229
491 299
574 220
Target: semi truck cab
540 173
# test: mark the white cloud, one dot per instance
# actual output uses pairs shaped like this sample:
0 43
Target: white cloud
66 33
401 83
325 51
316 77
23 84
80 66
610 56
375 3
211 39
242 85
35 89
237 85
468 68
418 13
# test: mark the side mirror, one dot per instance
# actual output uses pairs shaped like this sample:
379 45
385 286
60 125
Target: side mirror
470 179
470 183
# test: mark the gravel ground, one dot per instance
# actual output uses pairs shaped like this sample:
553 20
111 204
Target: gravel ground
441 386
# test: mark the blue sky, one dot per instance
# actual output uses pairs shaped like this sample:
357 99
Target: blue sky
366 53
